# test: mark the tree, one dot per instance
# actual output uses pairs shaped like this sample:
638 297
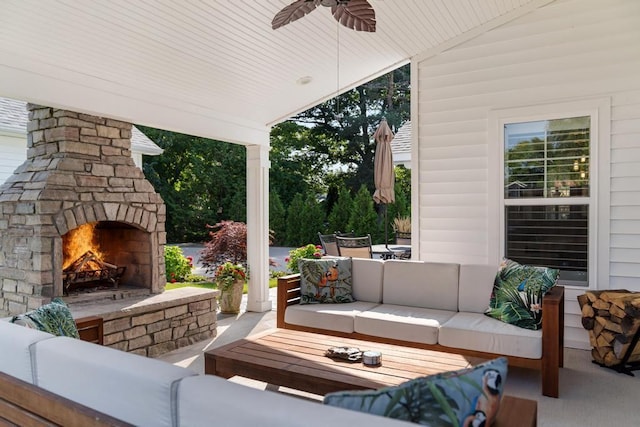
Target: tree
312 221
363 218
294 221
201 181
277 219
339 217
297 165
349 120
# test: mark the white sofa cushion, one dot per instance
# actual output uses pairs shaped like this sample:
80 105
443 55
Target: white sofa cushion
402 322
15 354
367 279
206 400
335 317
476 284
475 331
421 284
126 386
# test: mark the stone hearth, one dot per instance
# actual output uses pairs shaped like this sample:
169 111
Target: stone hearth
153 325
78 171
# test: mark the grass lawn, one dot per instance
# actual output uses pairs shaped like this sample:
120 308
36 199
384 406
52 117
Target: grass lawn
209 285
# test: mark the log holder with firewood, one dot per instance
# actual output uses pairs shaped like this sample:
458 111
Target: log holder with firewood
612 319
90 271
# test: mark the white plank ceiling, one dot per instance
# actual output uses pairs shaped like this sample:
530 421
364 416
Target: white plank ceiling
214 68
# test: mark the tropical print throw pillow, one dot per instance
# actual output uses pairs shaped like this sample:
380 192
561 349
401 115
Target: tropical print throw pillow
325 280
468 397
54 318
517 293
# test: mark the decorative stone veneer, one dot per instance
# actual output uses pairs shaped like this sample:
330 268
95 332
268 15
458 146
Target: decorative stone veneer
78 170
158 324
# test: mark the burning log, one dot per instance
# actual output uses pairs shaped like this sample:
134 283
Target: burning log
612 319
89 270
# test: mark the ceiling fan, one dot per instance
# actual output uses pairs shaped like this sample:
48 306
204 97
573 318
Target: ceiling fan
354 14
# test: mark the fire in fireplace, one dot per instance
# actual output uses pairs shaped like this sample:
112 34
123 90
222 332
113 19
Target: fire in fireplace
84 264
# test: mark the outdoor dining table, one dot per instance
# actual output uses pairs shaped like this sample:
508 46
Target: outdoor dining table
389 251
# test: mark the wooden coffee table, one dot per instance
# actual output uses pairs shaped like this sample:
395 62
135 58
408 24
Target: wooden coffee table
296 360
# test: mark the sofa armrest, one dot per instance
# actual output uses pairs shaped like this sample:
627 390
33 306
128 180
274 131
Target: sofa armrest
90 329
288 294
552 339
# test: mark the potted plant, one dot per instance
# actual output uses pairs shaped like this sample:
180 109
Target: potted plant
402 228
230 279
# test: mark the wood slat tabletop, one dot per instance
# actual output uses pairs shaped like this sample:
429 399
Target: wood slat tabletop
297 360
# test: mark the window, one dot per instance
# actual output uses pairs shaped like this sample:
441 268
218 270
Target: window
547 195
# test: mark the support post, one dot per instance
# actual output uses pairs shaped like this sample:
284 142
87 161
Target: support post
258 227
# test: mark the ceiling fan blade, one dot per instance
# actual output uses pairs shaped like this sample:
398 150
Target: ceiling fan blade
295 10
357 15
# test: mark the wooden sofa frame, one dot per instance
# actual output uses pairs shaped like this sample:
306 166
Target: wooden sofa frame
24 404
552 334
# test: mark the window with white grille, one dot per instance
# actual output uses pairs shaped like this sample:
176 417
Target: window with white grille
547 195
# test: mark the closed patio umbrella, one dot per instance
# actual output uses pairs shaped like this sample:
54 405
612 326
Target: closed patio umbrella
384 177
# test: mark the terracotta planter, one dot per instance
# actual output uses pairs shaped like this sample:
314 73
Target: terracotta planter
231 298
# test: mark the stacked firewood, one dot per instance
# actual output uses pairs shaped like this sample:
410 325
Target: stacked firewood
612 319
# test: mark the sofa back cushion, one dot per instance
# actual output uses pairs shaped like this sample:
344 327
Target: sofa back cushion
15 354
476 284
367 279
206 400
132 388
421 284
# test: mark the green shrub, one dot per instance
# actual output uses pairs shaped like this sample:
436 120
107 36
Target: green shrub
177 266
228 243
309 251
195 278
274 274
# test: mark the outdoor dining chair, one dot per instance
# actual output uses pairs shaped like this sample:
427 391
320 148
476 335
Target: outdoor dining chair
329 245
356 247
328 242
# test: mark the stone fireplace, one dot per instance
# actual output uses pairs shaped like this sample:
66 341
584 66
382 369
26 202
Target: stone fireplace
79 173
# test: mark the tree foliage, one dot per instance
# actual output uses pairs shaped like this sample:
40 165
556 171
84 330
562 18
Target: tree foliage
344 126
201 181
327 150
277 219
363 218
338 219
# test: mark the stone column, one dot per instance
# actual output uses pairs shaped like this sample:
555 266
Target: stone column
258 226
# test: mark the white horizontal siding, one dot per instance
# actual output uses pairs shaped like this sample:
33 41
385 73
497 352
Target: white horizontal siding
13 151
569 50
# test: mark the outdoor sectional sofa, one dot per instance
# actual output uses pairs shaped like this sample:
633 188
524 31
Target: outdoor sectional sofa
71 382
438 306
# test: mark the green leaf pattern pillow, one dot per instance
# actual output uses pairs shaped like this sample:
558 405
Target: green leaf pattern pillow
468 397
517 293
325 280
54 318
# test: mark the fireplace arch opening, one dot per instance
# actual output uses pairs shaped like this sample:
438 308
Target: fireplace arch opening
106 254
